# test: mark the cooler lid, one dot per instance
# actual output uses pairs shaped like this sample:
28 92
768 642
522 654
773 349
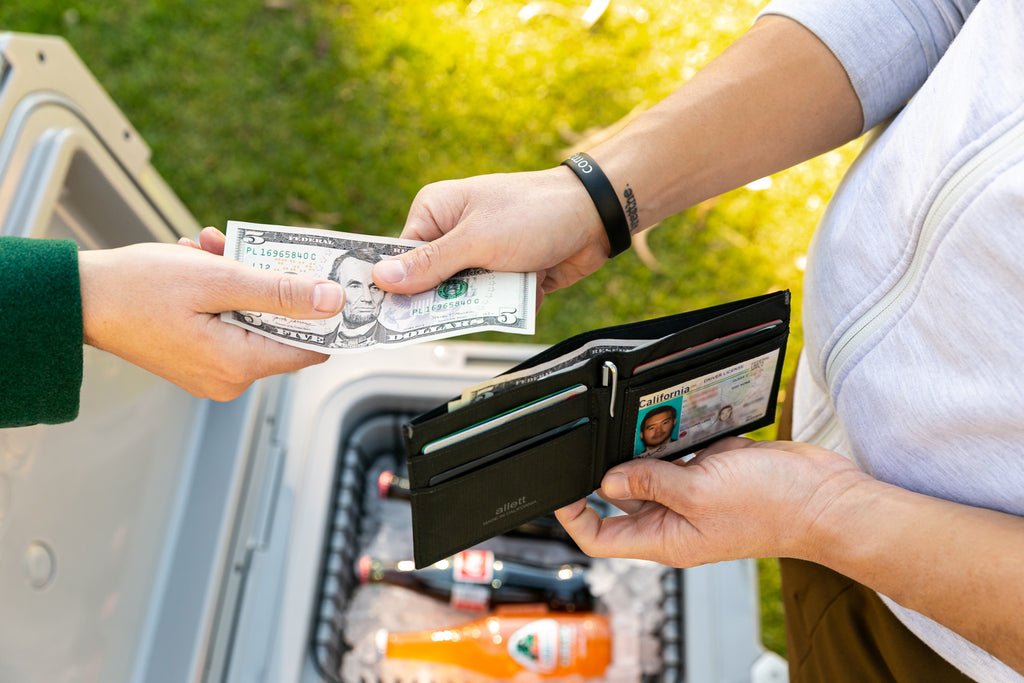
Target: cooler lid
115 529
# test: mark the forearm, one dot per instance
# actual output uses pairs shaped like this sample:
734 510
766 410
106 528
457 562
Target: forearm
958 565
775 98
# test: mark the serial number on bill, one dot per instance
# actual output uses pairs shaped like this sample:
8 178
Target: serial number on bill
281 253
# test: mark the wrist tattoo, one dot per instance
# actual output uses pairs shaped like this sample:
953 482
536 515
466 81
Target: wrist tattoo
632 213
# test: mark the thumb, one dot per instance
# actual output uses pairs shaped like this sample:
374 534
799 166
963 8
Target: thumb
290 295
645 479
424 267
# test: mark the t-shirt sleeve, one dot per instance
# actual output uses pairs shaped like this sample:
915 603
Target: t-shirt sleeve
888 47
40 331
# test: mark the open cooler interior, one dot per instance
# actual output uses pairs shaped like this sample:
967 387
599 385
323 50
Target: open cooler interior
643 601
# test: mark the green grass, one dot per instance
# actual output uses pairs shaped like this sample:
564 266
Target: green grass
333 114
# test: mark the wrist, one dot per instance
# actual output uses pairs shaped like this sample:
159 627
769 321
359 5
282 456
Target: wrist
832 518
590 229
606 201
91 266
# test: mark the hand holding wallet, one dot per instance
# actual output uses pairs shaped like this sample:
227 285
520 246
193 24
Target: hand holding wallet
543 434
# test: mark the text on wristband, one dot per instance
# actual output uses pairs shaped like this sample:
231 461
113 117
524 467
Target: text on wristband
581 162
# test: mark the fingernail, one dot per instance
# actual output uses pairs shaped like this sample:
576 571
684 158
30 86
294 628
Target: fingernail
390 270
327 297
615 485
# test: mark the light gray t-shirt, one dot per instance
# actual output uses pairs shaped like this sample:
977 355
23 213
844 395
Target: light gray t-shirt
913 364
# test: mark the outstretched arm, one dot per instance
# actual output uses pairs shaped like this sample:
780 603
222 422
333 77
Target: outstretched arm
776 97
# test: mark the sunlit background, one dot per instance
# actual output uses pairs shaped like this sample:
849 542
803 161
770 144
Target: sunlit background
333 114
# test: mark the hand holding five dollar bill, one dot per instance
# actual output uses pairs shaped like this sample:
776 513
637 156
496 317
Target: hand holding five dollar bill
474 300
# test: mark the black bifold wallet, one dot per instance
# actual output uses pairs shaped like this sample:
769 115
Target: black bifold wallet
543 434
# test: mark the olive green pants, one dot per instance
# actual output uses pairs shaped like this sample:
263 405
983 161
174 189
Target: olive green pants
839 631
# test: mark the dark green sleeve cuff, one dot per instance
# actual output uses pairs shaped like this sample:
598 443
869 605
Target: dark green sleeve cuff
40 331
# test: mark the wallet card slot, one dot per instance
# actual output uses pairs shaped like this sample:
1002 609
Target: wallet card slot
424 466
454 515
720 318
666 358
509 416
689 405
422 431
508 451
701 351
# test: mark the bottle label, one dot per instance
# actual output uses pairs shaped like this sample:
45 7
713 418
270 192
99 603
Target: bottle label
473 566
470 596
542 645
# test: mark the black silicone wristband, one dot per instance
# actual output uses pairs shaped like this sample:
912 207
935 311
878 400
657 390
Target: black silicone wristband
605 200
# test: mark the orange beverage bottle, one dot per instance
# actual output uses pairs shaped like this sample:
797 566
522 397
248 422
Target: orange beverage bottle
510 642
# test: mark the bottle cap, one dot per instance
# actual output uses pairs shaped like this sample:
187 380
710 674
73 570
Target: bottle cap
363 568
383 482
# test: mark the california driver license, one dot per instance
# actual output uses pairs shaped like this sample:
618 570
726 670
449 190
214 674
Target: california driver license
673 419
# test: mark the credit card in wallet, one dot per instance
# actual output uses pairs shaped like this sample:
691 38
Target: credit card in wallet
505 452
506 417
705 347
